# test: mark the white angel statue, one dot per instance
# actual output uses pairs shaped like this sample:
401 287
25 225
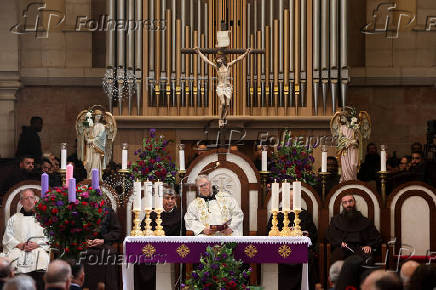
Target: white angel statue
351 130
95 138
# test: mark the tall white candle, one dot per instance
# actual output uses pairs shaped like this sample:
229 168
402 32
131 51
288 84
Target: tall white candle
275 196
148 192
324 161
158 195
137 195
382 158
124 159
286 196
296 195
182 160
64 156
264 160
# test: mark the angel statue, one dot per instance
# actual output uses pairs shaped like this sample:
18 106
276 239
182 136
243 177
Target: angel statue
351 130
96 131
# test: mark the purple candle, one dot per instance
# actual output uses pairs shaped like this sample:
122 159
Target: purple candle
72 190
44 184
95 178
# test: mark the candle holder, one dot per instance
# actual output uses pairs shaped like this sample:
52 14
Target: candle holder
159 229
324 176
274 229
136 231
297 229
383 178
264 179
286 230
148 229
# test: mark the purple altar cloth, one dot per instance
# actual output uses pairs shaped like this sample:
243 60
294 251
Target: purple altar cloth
188 249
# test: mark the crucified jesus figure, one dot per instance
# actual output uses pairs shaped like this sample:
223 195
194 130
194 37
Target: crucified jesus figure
224 88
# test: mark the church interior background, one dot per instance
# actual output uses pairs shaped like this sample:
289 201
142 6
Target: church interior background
311 63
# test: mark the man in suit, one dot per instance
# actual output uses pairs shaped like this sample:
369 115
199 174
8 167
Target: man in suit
78 275
58 276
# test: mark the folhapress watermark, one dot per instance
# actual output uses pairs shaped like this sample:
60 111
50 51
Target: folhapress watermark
37 19
394 19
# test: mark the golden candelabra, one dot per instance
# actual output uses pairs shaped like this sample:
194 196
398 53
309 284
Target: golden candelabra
286 230
274 229
297 229
324 176
136 231
159 229
148 229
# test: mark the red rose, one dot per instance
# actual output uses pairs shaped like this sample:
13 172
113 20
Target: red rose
100 210
54 211
94 234
79 248
66 222
84 203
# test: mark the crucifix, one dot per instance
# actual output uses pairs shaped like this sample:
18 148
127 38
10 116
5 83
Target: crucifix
224 87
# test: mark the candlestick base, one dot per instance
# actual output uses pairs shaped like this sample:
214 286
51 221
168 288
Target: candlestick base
159 229
297 229
383 178
63 173
274 229
286 230
136 231
324 176
148 229
123 171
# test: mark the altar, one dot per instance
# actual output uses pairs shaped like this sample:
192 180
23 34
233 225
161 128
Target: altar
188 249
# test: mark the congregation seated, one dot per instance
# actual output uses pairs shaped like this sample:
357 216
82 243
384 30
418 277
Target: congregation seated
17 172
213 213
350 233
406 272
334 271
24 241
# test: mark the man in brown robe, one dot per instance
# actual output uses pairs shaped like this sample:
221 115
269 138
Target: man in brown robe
101 263
350 233
145 274
290 274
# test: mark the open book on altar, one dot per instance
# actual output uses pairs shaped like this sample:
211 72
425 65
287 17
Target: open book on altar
222 227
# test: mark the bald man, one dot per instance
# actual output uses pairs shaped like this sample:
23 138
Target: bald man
6 270
24 240
58 276
407 271
381 280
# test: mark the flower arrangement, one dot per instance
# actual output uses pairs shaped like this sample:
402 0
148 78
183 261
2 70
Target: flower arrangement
349 117
292 161
88 123
155 162
218 269
69 225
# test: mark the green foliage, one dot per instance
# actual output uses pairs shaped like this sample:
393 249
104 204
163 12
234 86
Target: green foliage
218 269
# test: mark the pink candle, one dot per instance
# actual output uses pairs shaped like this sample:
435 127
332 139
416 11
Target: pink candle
69 174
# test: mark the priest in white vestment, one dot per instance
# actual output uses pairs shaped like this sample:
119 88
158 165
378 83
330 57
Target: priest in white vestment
24 242
213 213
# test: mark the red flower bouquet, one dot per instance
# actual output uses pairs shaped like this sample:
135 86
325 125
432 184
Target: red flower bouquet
69 225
